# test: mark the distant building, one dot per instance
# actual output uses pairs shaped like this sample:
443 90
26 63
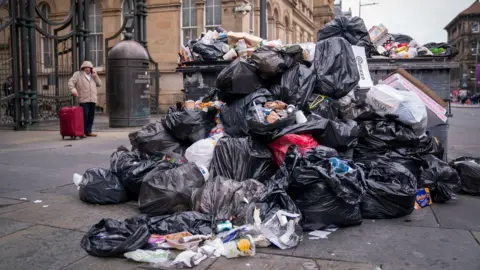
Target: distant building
463 34
339 11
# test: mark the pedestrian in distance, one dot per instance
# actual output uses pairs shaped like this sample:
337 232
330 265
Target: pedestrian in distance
83 84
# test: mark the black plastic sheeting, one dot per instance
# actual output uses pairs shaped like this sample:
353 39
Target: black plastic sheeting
101 186
112 238
190 221
169 191
441 179
335 67
351 29
468 169
190 126
241 159
390 189
234 115
237 80
153 139
209 52
324 196
296 86
226 199
131 167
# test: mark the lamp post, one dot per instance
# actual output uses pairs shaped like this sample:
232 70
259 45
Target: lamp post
360 5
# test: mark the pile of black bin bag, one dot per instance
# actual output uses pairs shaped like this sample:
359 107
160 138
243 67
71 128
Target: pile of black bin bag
386 161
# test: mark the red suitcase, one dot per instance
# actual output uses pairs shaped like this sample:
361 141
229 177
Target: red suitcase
71 122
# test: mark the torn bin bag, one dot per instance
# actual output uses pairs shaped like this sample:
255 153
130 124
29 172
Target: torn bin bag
325 196
469 170
296 86
238 79
190 221
190 126
169 191
241 159
227 199
391 189
101 186
264 131
153 139
209 52
131 167
270 61
112 238
234 115
351 29
441 179
335 68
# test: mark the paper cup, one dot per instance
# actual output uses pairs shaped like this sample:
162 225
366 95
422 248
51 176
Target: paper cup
230 55
300 117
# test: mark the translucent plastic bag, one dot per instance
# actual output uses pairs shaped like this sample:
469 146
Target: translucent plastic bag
406 105
201 152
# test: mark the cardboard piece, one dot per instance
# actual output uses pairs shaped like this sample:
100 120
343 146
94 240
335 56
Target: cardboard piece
362 66
436 112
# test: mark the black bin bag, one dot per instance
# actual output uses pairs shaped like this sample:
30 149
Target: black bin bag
237 80
265 131
169 191
391 189
112 238
209 52
234 115
468 169
190 126
153 139
269 61
131 167
335 68
241 159
441 179
226 199
101 186
352 29
296 86
324 196
275 197
190 221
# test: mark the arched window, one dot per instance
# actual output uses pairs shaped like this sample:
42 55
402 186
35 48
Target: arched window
127 8
189 21
46 42
95 39
213 14
287 26
274 25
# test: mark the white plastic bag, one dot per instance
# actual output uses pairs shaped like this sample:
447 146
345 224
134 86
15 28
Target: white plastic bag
201 152
308 50
407 106
148 256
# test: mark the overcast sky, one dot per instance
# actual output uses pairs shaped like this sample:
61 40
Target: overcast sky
423 20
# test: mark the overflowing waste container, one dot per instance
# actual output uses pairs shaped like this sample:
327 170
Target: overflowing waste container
289 139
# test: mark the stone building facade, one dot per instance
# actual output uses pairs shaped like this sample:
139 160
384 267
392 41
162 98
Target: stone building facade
171 23
464 34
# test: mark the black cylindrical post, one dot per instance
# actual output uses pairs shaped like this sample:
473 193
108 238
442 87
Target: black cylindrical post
263 19
80 31
32 42
15 64
24 56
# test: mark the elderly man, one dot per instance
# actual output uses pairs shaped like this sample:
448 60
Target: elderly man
83 85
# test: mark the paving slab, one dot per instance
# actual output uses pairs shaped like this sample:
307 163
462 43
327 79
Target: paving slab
69 190
336 265
69 212
477 236
8 226
40 247
421 218
202 266
275 250
400 246
460 213
97 263
261 261
7 205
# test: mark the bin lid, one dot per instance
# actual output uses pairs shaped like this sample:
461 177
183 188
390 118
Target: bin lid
128 49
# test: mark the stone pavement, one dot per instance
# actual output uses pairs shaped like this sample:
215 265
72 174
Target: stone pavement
38 165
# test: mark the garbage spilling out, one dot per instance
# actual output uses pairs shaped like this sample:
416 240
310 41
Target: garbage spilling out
293 138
